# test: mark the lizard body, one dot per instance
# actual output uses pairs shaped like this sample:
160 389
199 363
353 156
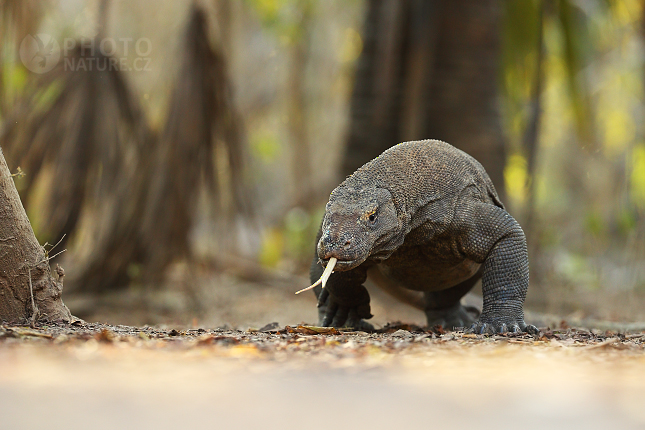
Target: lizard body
428 216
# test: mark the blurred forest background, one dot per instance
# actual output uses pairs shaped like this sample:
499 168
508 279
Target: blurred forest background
187 183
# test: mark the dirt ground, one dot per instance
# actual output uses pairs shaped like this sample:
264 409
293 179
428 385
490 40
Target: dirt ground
264 367
292 377
226 299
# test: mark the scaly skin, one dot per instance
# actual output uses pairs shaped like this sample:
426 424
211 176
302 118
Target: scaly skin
429 216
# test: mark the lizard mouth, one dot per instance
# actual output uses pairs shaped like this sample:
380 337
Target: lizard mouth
324 277
344 265
331 264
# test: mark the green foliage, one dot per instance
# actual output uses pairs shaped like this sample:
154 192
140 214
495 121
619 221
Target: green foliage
352 47
272 247
516 178
589 172
294 240
567 37
577 270
284 17
14 80
47 95
594 224
520 44
297 224
265 146
638 177
577 52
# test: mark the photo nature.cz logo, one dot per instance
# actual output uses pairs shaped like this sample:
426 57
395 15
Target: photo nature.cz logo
40 53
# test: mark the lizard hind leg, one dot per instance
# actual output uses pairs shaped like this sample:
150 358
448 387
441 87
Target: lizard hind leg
443 308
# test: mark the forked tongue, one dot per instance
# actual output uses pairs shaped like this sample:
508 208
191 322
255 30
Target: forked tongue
324 277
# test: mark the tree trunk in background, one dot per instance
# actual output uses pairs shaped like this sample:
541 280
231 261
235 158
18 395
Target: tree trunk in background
428 70
23 262
297 112
131 196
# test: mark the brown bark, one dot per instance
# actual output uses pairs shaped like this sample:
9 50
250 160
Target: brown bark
429 70
27 286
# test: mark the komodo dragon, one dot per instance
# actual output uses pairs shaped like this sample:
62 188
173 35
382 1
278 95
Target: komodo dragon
428 215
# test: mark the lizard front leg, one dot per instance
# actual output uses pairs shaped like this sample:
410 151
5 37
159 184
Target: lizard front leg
491 236
344 302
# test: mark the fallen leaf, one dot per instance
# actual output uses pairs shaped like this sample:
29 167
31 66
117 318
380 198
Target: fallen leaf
319 330
105 335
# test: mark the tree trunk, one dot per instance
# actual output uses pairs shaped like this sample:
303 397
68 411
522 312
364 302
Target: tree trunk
429 70
299 140
27 287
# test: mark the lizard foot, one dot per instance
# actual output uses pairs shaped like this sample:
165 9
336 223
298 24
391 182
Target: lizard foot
352 321
333 314
457 316
502 325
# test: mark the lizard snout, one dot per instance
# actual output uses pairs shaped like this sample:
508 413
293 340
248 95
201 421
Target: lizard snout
334 246
344 247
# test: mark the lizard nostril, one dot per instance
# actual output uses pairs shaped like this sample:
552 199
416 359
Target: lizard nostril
347 244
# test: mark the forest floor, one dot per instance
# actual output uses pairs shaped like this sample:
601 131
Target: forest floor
183 372
104 376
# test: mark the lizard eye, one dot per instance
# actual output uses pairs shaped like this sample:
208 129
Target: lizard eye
372 217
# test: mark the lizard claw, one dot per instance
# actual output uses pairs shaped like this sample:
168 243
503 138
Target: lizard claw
531 329
481 328
494 327
515 329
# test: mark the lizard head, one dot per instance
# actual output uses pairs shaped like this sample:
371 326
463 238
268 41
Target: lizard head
358 224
